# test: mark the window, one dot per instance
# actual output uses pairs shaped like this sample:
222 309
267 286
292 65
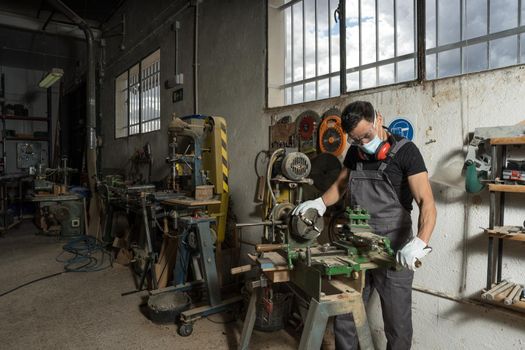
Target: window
303 51
473 35
380 44
137 98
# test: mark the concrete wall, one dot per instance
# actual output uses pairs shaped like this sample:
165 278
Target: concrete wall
25 56
21 87
232 46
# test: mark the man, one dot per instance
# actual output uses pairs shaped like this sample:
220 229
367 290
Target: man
383 173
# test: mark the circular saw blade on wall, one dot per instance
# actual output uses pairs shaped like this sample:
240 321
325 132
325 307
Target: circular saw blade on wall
332 138
306 127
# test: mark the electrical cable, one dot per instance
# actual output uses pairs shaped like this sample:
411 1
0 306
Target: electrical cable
269 169
89 255
31 282
257 160
84 250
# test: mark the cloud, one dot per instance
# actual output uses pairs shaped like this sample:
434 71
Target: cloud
503 51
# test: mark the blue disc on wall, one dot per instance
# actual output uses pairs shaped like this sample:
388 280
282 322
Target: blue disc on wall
402 127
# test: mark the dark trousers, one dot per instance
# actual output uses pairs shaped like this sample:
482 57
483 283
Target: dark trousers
395 291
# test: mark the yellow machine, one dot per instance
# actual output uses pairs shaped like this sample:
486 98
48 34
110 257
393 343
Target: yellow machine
204 140
216 162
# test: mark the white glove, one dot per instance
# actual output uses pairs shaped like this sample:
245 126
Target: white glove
317 204
412 252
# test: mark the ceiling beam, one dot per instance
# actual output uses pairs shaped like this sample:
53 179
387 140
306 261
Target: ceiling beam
32 24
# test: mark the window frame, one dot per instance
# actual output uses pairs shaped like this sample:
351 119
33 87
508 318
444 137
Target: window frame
419 41
419 55
139 84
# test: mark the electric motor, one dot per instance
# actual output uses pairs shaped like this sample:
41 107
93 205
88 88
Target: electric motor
296 166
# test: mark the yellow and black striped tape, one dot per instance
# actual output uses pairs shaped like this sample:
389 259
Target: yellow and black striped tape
224 153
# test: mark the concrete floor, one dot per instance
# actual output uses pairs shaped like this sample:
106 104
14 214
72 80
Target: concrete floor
87 311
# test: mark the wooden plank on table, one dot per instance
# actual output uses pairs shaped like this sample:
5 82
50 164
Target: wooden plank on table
278 276
507 188
278 261
518 140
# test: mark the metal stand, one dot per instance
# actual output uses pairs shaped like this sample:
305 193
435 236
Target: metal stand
196 250
496 218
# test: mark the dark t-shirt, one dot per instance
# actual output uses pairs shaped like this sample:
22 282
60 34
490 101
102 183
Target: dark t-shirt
407 161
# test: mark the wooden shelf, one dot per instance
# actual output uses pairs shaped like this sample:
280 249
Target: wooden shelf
18 117
498 301
519 140
504 235
507 188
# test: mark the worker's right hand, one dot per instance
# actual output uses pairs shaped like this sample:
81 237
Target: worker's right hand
317 204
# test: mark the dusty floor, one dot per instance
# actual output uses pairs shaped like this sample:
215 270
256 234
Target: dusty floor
87 311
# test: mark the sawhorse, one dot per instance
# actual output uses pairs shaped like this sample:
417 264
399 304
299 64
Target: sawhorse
346 300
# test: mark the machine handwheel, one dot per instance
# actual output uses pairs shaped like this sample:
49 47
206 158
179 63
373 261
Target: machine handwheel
185 329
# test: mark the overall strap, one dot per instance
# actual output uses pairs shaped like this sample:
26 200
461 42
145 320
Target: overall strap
391 154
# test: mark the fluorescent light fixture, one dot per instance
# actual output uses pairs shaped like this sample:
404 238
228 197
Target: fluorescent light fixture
52 77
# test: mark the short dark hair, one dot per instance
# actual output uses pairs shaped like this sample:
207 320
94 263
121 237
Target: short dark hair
354 113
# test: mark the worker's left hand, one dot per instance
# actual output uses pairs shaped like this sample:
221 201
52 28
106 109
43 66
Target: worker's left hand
412 252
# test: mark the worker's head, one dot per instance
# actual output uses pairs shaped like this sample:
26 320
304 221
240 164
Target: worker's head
360 121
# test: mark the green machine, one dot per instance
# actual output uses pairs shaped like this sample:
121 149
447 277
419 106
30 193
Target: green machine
328 277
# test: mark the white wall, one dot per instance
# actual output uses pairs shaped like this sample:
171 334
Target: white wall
232 46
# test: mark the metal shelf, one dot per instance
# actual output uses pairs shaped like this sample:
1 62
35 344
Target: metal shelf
18 117
497 196
27 139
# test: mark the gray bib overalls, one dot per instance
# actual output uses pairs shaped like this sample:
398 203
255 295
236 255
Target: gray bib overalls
373 190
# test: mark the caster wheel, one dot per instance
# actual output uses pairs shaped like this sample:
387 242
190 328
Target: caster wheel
185 329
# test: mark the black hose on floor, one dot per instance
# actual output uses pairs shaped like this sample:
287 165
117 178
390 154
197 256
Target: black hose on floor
89 255
31 282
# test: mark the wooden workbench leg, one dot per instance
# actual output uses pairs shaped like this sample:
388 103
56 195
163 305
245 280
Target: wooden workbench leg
314 326
361 324
249 322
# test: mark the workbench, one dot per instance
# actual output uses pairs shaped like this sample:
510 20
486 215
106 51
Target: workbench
337 296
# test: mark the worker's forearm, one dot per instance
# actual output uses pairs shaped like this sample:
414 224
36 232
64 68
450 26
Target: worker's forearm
338 188
427 221
331 196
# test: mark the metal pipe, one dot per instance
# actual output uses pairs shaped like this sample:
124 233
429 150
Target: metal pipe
196 61
262 223
420 40
342 47
490 261
90 83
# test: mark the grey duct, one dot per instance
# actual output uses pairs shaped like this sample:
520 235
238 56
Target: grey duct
196 61
91 99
